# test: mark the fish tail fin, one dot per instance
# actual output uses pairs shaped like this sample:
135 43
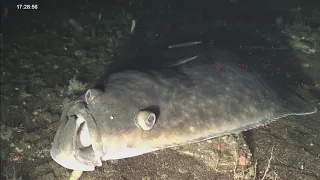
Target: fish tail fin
300 106
295 105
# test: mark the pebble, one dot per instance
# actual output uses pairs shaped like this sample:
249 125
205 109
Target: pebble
19 150
302 167
75 175
146 178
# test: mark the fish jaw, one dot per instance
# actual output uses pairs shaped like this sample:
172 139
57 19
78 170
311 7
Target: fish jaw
127 153
69 161
76 144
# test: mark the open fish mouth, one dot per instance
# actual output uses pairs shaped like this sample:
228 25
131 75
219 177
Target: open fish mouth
77 144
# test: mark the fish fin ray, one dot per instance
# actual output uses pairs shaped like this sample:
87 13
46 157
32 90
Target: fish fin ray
281 113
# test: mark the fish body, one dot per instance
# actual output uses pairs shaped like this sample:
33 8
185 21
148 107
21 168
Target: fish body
206 97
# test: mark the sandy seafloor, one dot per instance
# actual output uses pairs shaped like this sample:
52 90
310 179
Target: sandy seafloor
53 52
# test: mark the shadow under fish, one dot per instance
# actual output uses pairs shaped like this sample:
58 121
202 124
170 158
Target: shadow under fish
140 111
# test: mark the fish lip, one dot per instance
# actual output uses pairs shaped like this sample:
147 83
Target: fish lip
70 161
65 150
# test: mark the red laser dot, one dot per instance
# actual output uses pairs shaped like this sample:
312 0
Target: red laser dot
265 126
243 65
218 68
16 158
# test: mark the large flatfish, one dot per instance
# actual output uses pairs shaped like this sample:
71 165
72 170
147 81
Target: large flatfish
139 111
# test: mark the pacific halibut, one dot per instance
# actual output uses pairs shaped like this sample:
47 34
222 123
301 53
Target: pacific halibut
139 111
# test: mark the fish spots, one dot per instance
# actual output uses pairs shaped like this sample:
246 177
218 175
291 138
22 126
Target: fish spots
187 115
202 105
252 109
130 145
193 97
192 129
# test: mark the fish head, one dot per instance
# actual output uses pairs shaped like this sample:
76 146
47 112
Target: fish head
75 145
94 129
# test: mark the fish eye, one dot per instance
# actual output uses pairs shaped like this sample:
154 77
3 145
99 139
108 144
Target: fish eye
151 119
90 95
145 120
112 117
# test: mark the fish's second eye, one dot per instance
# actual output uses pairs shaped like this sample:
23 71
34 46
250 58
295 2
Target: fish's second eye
145 120
91 94
88 96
